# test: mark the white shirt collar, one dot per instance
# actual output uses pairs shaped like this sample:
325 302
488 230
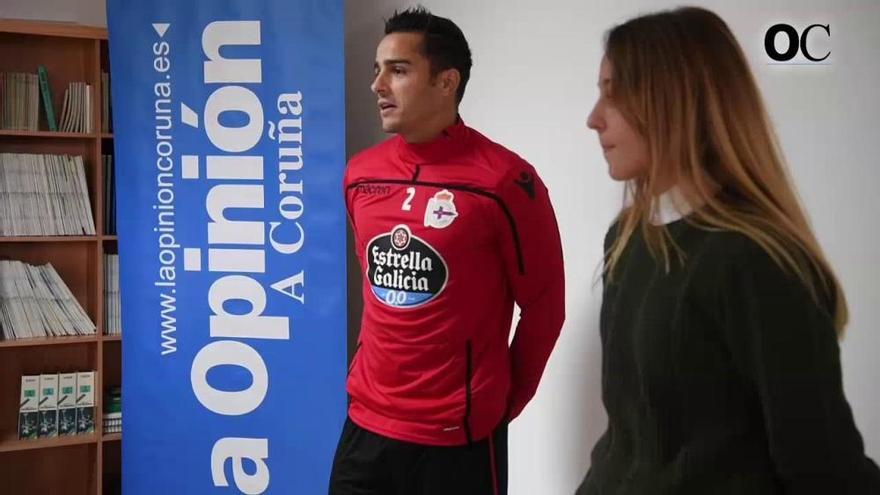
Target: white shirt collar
669 207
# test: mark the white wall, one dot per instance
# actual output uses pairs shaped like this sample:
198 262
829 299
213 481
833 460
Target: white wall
532 85
88 12
533 82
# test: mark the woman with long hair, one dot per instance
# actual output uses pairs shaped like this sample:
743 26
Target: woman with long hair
721 315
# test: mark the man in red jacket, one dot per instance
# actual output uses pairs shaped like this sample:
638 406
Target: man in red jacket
451 229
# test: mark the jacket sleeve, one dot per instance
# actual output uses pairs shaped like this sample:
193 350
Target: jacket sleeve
532 253
785 345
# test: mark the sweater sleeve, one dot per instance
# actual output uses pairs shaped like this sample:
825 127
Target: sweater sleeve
785 344
532 255
348 194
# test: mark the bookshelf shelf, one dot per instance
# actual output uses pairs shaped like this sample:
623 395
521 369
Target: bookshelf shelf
80 464
50 239
112 437
46 134
47 443
49 341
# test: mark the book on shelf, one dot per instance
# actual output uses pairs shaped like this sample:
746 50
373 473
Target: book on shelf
46 91
85 402
28 407
109 195
48 406
66 404
76 114
20 96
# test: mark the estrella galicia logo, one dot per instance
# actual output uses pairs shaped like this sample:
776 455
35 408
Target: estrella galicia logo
795 42
404 271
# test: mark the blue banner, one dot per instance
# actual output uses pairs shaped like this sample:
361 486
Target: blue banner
229 136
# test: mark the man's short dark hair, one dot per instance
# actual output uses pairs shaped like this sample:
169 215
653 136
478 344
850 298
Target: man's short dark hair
444 45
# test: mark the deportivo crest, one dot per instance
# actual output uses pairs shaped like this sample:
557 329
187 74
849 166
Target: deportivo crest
404 271
441 212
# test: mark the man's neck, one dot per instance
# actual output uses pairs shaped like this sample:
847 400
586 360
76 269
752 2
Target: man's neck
430 132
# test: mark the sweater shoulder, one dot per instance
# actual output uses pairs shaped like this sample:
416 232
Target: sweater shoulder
732 261
500 164
369 161
724 250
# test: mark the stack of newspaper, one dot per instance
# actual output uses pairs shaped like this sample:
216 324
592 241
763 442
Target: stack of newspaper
35 302
44 195
112 309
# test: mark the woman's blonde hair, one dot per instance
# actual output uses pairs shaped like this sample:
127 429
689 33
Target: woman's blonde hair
681 79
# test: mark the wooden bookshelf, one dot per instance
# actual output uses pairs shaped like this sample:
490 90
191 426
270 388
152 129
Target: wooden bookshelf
82 464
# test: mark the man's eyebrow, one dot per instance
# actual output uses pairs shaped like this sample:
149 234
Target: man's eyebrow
393 61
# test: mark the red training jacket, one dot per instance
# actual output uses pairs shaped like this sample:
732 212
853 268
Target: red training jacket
449 235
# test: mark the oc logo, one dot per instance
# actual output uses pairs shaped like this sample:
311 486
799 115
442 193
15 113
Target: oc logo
796 42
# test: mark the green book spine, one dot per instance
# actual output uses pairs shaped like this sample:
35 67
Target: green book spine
47 98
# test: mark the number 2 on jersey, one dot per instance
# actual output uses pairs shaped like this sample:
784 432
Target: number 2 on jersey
407 203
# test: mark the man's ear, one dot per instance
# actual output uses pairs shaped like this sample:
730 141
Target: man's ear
449 80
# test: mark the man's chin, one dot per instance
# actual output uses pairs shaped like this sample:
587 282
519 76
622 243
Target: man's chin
390 128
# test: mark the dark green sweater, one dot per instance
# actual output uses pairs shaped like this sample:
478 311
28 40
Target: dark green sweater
721 377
